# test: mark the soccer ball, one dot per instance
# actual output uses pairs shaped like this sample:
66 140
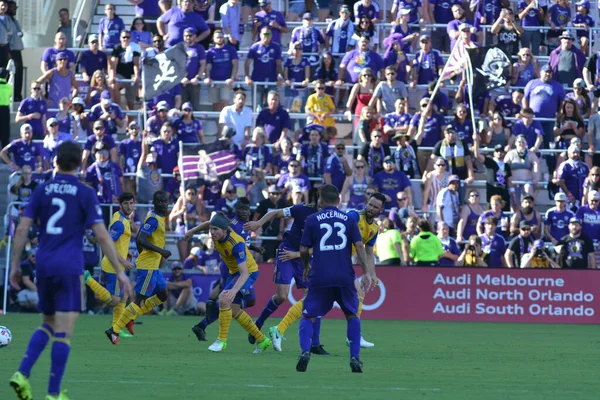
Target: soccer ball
5 336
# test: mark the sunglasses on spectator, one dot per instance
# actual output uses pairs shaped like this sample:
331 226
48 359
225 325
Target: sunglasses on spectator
340 148
94 42
267 34
424 105
369 193
594 201
293 165
401 198
320 88
526 229
231 191
275 194
96 128
187 35
187 110
360 167
37 88
126 37
474 195
367 75
376 136
53 124
440 165
390 73
297 48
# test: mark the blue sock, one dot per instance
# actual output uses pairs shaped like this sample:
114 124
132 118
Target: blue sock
60 355
36 346
316 337
305 334
267 311
353 334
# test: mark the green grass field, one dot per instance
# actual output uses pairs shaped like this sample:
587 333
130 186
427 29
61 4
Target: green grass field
411 360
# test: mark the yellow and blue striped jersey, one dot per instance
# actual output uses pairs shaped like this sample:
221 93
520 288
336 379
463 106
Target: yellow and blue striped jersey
120 232
368 231
233 251
154 227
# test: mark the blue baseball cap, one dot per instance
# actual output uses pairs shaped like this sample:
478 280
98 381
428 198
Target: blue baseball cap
546 67
583 3
62 56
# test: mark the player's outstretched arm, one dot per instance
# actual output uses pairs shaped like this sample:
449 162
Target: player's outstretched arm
18 246
109 250
271 215
200 228
368 272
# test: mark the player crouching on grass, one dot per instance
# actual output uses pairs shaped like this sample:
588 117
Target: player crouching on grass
120 232
243 272
331 234
150 286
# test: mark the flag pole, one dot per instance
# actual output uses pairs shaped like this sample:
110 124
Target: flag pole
470 80
144 107
440 80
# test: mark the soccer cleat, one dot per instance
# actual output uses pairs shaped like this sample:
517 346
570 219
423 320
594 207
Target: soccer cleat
265 344
125 334
320 350
129 327
218 346
171 312
21 386
363 343
199 332
61 396
355 365
276 338
303 362
112 336
87 276
251 339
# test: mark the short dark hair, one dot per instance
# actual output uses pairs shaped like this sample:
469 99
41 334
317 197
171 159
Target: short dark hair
329 194
491 220
157 194
242 201
424 225
519 91
379 196
527 110
68 156
125 196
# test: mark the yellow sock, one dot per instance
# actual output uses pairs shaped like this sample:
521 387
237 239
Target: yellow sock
292 315
246 322
118 311
103 294
130 313
224 322
361 299
150 303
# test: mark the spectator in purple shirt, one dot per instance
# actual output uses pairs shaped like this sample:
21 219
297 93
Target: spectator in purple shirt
221 65
453 26
390 182
529 128
274 119
32 110
109 113
196 65
367 8
294 179
172 97
110 28
140 33
256 155
156 121
558 17
98 136
267 16
189 129
310 38
60 46
337 168
105 176
530 13
172 24
266 57
427 64
166 149
313 155
567 61
357 60
508 105
571 175
426 130
583 20
130 151
92 60
442 14
148 9
23 151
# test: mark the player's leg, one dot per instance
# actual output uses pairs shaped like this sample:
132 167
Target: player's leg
104 294
347 298
317 302
361 297
212 312
39 339
181 301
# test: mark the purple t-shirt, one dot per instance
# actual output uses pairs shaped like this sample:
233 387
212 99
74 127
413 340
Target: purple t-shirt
532 17
265 58
334 166
147 8
66 125
105 180
195 54
340 34
296 72
491 10
65 208
274 123
442 10
111 30
427 66
544 98
221 60
432 131
24 153
583 19
531 132
141 37
110 125
30 106
395 120
166 154
93 62
356 60
211 261
172 190
559 15
265 18
412 5
176 21
131 150
330 233
494 248
453 26
391 58
314 158
154 124
361 10
50 53
301 181
299 212
310 37
188 133
391 184
506 106
591 222
573 173
257 157
168 96
106 139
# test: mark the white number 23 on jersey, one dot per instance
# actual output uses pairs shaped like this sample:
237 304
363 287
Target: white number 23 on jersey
340 230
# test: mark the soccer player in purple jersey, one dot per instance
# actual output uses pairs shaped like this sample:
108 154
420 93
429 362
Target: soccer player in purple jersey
65 208
330 234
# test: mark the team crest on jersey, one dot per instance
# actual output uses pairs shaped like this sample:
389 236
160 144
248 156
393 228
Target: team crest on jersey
147 227
241 254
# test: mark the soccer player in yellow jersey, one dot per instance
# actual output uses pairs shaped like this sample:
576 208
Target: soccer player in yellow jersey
243 272
150 286
120 232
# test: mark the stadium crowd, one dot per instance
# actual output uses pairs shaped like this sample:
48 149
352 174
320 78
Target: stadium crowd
537 134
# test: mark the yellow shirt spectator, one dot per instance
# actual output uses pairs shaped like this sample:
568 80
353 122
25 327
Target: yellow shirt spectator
319 107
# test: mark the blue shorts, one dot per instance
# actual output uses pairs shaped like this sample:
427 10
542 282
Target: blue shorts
62 293
148 282
284 271
112 285
246 290
319 301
